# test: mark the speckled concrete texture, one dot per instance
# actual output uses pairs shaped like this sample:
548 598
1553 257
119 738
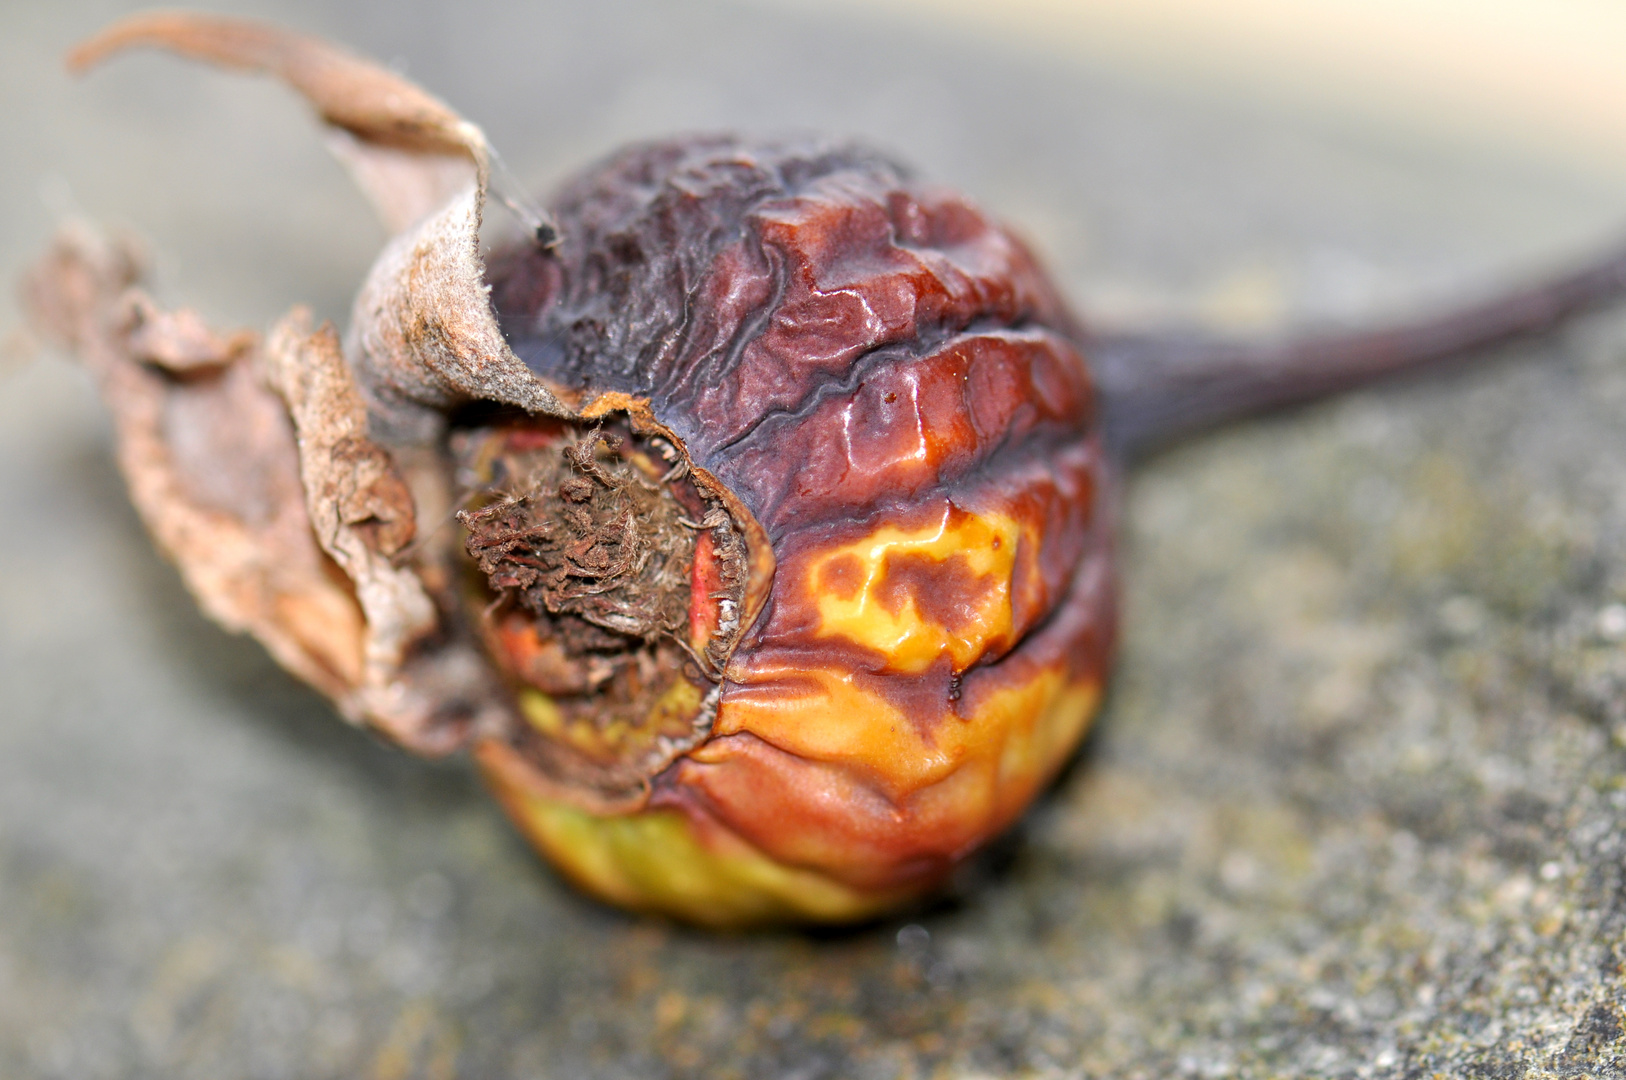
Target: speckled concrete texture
1356 808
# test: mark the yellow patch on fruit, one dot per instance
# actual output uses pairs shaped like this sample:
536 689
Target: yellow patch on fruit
1037 742
653 860
672 716
1021 729
856 594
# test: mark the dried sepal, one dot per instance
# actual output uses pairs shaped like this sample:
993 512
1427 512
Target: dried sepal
408 150
361 514
423 336
250 463
209 455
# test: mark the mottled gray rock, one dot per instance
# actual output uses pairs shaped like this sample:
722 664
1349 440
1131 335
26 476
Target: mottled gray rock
1356 807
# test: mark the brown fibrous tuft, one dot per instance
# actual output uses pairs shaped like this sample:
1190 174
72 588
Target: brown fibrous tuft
584 539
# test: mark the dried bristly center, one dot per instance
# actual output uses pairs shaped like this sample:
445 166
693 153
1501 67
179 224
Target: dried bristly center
586 540
611 598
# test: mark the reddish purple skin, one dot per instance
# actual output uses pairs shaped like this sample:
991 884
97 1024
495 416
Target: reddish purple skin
844 347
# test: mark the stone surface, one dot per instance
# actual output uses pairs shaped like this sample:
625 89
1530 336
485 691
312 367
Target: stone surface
1356 807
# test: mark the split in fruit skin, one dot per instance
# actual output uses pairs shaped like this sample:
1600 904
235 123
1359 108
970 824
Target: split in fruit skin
786 571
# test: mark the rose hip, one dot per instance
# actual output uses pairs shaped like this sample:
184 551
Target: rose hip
785 571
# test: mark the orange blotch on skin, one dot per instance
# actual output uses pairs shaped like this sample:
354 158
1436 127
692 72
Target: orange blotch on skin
520 648
917 594
824 714
535 661
833 779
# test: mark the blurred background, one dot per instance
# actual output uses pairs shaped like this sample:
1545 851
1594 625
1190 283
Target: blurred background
1041 106
1360 817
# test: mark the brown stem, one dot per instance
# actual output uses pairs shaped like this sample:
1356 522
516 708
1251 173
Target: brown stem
1156 389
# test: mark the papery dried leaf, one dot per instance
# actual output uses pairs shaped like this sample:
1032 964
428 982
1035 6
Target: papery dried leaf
423 335
360 507
286 520
407 150
425 338
209 456
362 514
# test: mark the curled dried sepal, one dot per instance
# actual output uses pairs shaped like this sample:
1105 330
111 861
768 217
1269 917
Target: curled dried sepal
250 463
408 150
209 455
423 336
361 513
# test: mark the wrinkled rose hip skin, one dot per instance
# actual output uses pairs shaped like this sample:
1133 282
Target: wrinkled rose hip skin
886 382
783 574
